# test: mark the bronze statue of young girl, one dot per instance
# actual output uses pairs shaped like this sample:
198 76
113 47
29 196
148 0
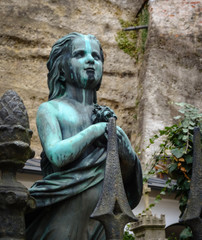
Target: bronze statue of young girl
73 134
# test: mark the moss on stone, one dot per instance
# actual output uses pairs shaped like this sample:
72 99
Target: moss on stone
143 19
127 40
133 42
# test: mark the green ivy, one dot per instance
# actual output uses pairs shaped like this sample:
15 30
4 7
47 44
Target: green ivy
186 234
143 20
175 152
133 42
127 234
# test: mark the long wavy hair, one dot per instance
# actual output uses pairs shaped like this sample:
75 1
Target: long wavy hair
61 51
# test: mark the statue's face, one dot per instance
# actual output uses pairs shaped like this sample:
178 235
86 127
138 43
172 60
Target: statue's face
85 63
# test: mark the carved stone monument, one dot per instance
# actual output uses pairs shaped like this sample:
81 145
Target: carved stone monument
73 132
149 226
15 149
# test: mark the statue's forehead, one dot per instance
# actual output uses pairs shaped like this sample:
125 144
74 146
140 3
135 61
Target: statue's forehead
84 42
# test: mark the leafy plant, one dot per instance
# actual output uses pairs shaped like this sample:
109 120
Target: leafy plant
175 155
186 234
172 237
176 151
127 234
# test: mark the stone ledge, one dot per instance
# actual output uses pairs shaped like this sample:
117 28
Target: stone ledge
149 221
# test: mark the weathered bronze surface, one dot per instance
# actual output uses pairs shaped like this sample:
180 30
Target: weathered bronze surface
72 129
15 149
113 210
193 213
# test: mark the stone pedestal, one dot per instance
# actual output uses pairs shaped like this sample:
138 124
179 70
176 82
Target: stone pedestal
149 227
14 199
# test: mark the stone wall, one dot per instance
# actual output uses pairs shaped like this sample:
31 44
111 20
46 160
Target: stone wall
172 70
30 28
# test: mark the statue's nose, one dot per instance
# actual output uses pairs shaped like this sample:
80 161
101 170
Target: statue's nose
89 59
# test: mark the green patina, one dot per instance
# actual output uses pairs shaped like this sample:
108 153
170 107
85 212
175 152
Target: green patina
72 130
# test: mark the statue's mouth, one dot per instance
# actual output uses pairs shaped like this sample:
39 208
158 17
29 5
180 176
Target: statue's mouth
90 70
91 73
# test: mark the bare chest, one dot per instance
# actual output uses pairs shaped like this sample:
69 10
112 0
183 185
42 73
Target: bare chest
73 119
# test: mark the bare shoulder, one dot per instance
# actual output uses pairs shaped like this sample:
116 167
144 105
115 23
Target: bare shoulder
46 111
52 107
57 110
46 107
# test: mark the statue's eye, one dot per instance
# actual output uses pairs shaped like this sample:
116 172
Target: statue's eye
96 56
78 54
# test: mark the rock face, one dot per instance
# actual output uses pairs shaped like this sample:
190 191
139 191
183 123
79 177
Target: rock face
170 70
30 28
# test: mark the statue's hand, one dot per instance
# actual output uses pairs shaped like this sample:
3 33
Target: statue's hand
102 140
102 114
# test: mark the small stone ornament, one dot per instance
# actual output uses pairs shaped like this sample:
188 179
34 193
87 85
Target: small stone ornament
15 134
15 150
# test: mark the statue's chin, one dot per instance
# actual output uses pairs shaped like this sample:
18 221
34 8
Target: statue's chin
90 83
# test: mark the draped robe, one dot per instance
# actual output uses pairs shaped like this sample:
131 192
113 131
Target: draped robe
65 200
67 196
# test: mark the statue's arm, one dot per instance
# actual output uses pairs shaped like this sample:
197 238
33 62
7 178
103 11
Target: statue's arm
130 168
61 152
125 149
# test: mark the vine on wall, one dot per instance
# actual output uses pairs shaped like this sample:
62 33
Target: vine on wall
133 42
175 155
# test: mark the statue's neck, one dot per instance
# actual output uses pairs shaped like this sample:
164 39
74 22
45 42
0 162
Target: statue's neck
84 96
